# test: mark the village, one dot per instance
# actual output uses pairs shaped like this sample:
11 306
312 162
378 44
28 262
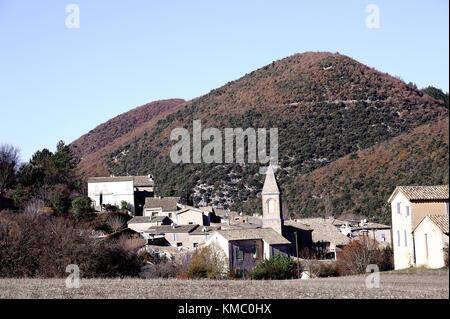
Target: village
418 234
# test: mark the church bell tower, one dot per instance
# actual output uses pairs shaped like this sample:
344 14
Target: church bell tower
271 200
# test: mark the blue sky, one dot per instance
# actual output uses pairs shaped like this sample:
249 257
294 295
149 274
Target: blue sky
58 83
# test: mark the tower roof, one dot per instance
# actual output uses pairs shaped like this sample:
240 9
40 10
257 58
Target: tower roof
270 185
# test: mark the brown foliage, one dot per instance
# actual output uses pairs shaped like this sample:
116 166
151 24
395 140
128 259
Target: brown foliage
359 254
33 245
207 262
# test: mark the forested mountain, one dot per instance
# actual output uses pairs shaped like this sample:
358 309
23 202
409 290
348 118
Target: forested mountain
329 109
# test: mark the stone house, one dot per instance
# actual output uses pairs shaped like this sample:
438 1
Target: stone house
409 206
245 248
327 239
162 206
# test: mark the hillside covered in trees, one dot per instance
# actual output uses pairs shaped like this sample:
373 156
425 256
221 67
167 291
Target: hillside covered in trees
328 108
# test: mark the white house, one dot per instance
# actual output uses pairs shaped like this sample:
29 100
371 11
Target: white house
409 205
117 189
431 240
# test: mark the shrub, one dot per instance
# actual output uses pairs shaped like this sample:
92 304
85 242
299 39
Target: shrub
110 208
123 205
327 269
82 207
387 259
40 246
359 254
207 262
118 259
278 267
58 198
165 269
116 223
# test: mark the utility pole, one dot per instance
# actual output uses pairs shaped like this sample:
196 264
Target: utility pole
298 257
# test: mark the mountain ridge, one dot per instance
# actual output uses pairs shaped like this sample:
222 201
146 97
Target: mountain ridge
325 105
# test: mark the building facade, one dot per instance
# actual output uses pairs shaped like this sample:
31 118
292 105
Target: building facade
409 206
115 190
431 242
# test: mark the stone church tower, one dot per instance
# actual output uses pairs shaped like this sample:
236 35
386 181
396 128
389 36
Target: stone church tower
271 200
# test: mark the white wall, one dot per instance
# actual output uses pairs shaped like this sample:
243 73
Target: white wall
190 217
221 242
430 242
113 193
401 225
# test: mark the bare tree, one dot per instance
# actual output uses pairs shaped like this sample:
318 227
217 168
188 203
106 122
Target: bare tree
9 163
116 223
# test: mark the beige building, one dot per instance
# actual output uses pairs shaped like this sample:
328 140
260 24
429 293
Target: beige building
182 236
162 206
431 241
409 206
192 216
143 223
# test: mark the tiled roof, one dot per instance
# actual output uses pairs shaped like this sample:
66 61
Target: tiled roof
269 235
110 179
167 204
441 221
186 208
143 181
140 220
375 226
295 224
437 192
146 219
138 181
204 230
173 229
324 230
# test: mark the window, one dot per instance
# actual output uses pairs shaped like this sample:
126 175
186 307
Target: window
398 238
239 255
383 237
179 244
195 245
271 206
398 209
406 239
407 211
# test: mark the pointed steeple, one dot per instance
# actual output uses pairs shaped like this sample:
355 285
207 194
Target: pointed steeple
270 185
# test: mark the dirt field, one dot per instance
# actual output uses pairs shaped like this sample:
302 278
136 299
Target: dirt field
415 284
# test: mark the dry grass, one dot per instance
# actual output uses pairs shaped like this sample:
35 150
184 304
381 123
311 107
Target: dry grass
420 284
